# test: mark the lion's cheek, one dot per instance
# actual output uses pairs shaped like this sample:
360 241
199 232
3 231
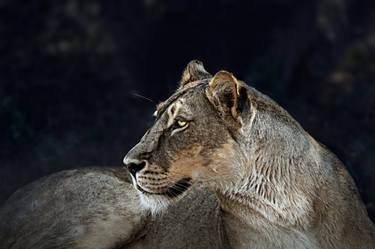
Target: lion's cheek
186 167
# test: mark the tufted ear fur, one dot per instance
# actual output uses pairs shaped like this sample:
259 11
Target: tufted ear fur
226 94
194 71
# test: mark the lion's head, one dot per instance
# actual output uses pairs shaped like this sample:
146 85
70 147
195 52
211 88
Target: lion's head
197 136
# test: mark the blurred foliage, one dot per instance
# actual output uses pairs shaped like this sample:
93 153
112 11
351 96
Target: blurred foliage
69 70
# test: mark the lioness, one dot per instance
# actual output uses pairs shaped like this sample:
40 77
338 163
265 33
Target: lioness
277 187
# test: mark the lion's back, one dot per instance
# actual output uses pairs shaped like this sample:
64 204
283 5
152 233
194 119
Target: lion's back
341 205
83 208
99 208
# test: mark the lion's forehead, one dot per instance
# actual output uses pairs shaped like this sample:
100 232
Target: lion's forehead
184 93
173 110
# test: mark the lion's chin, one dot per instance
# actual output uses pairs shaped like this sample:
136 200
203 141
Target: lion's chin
157 202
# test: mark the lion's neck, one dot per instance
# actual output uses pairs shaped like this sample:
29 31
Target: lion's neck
272 190
267 210
274 194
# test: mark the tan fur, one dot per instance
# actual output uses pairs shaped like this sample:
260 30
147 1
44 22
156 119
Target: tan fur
221 79
277 187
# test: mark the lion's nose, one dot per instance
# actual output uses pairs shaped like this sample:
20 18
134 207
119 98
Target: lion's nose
135 166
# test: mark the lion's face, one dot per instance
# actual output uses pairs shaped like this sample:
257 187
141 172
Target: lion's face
193 139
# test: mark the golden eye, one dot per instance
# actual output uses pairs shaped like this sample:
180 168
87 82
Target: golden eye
181 123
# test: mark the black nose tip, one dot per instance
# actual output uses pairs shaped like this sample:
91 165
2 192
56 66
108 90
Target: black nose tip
134 167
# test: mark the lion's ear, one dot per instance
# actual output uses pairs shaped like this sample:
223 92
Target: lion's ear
226 94
194 71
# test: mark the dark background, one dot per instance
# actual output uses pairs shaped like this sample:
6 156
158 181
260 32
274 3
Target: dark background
71 72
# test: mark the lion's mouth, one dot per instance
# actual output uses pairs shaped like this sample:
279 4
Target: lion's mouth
173 191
